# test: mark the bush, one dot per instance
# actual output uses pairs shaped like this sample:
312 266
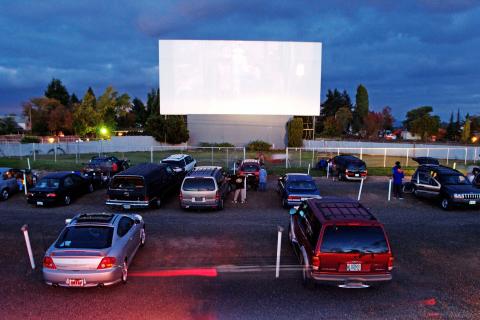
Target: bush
30 139
295 132
216 145
258 145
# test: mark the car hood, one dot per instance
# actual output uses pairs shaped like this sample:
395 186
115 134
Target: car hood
458 188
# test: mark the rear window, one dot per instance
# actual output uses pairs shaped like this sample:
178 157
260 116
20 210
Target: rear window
127 183
356 166
354 239
48 183
199 184
87 237
175 163
303 185
250 168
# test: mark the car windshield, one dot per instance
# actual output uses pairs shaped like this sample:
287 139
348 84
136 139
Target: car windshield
127 183
354 239
48 183
174 163
250 168
453 179
198 184
88 237
304 185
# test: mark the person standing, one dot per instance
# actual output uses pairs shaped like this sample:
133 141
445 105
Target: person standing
239 188
262 176
398 175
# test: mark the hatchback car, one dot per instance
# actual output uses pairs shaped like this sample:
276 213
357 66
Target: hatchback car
338 241
58 188
94 249
296 187
204 187
348 167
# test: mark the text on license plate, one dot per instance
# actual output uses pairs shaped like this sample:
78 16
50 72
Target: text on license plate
39 203
76 282
357 175
126 206
472 202
198 199
354 267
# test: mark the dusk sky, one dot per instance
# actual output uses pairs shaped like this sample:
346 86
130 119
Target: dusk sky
407 53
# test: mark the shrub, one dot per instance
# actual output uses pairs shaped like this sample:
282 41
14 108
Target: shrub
30 139
295 132
216 144
258 145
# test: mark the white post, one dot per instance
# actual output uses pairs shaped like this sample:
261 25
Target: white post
286 158
279 248
212 157
300 157
151 154
55 152
29 248
313 156
245 187
360 190
28 162
25 183
454 165
466 154
34 153
328 169
385 158
308 170
76 152
234 171
389 189
243 153
406 161
338 151
361 153
448 154
428 152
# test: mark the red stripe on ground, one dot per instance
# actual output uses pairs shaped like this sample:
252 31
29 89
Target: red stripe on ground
203 272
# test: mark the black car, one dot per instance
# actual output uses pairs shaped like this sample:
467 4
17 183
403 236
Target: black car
142 186
348 167
444 184
58 188
100 169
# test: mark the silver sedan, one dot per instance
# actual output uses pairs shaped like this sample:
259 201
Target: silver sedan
94 249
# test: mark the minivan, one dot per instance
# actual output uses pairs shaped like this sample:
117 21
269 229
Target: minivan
204 187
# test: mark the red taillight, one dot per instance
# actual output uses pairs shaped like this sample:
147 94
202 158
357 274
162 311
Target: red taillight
51 195
294 197
107 262
390 263
315 263
48 263
217 196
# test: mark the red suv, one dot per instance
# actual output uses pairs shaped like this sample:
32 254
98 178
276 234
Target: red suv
338 241
251 169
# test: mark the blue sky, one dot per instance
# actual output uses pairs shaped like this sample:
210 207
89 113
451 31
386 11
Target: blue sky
407 53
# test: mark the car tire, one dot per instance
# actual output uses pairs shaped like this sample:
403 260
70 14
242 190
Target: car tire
220 205
124 272
445 203
90 188
67 200
143 237
5 194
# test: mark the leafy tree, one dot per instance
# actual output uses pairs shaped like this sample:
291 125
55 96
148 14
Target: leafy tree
140 112
335 101
361 108
331 128
387 118
450 134
425 126
466 131
295 132
153 102
458 126
85 116
155 126
8 125
60 120
176 129
73 100
106 108
56 90
415 114
38 112
343 118
373 123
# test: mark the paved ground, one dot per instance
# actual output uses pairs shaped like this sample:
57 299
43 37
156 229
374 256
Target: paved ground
437 264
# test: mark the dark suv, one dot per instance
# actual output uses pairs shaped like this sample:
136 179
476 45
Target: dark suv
444 184
348 167
338 241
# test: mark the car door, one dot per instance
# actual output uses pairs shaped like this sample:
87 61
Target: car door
127 233
80 185
308 231
426 185
12 180
69 186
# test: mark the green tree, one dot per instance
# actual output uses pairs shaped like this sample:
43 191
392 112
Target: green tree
458 126
140 112
450 134
331 127
85 117
335 101
425 126
295 132
344 118
466 131
155 126
415 114
106 108
361 108
153 102
176 129
8 125
38 111
56 90
388 118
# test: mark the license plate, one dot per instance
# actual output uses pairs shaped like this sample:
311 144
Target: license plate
354 267
357 175
76 282
198 199
126 206
39 203
472 202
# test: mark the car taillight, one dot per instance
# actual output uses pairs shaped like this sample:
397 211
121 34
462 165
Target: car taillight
107 262
390 263
51 195
315 263
217 196
294 197
48 263
180 196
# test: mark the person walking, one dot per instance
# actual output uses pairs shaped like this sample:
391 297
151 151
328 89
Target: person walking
262 176
239 188
398 175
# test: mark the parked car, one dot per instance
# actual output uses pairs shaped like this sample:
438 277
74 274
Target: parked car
295 188
58 188
339 241
251 169
11 178
348 167
142 186
444 184
184 162
94 249
100 169
205 187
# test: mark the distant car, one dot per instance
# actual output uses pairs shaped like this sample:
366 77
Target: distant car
101 169
251 169
338 241
94 249
204 187
444 184
58 188
348 167
181 161
296 187
142 186
10 179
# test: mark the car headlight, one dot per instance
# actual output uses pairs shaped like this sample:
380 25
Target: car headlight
457 196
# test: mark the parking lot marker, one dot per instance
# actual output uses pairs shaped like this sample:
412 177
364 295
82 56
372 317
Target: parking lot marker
27 241
360 190
389 189
279 247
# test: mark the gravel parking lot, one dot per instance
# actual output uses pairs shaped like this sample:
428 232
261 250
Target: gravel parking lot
437 272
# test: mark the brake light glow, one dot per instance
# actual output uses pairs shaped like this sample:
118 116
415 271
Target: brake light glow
107 262
48 263
217 196
390 263
51 195
316 262
294 197
180 196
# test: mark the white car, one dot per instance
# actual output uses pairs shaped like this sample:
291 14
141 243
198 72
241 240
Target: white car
181 161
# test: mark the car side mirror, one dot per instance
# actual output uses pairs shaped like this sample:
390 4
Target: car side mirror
292 211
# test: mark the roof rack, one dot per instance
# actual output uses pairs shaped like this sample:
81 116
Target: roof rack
343 210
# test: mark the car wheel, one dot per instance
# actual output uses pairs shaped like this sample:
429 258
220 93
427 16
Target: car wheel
445 203
124 272
143 236
220 205
5 194
67 200
90 188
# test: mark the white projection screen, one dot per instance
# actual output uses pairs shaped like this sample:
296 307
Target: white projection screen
239 77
